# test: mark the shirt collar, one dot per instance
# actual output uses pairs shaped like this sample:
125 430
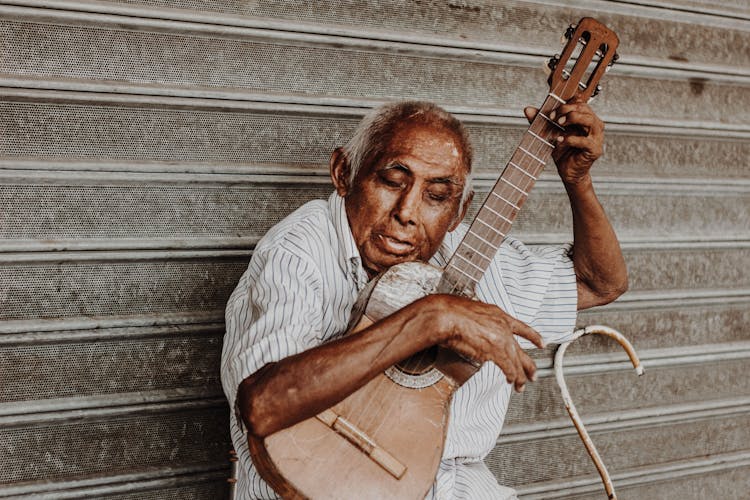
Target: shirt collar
348 251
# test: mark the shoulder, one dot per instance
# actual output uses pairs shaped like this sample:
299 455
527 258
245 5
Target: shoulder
306 232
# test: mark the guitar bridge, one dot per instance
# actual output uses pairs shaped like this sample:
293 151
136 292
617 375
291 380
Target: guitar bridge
358 438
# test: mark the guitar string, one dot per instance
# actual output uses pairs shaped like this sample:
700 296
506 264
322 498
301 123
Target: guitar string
528 164
463 282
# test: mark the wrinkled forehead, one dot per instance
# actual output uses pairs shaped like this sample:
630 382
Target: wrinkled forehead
431 142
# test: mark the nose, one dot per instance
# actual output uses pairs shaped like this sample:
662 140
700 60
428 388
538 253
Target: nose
406 210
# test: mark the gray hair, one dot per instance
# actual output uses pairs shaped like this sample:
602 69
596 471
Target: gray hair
376 129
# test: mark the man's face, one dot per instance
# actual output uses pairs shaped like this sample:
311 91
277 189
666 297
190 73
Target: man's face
404 200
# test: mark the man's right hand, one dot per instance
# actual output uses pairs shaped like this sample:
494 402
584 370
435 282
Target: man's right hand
484 332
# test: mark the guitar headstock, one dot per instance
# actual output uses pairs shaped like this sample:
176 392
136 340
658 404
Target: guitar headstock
589 52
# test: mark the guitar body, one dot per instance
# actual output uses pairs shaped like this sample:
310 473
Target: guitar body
404 415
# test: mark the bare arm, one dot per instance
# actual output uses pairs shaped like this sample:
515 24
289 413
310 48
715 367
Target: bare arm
298 387
599 265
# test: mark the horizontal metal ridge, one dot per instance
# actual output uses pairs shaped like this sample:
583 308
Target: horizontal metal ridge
75 92
100 486
98 244
219 24
201 246
637 476
129 256
92 323
676 6
650 358
24 409
110 250
125 178
645 9
627 419
109 334
60 328
119 173
669 298
42 413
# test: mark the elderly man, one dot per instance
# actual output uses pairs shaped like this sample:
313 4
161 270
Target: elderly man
401 191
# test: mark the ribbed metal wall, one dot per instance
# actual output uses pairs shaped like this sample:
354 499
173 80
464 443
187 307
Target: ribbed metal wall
147 144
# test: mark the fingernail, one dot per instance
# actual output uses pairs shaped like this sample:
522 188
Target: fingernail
560 139
522 388
552 115
533 377
561 120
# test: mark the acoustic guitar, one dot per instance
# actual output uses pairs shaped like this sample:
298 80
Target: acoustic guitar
386 439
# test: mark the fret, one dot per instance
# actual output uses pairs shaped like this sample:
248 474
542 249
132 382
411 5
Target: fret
470 262
506 201
498 214
477 251
494 229
472 278
522 170
492 245
550 120
541 139
532 155
556 97
513 186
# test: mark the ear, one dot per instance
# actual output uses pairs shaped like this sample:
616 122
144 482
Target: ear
462 211
340 171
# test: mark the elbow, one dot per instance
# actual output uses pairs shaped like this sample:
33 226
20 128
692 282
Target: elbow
601 293
254 412
613 289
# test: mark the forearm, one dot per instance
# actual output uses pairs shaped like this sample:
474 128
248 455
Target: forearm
298 387
597 257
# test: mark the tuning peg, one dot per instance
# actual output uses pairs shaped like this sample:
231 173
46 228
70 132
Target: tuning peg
595 93
569 32
551 64
615 57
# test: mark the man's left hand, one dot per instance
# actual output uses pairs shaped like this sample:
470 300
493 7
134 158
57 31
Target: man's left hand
580 144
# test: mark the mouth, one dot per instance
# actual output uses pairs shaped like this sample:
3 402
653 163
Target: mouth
395 246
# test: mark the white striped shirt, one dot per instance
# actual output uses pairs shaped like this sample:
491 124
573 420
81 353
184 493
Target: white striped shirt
298 292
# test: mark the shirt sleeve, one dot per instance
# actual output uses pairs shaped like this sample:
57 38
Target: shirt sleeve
537 286
274 312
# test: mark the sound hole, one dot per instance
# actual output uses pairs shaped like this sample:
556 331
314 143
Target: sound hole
419 363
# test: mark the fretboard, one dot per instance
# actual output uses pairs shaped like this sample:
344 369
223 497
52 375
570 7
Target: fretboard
495 218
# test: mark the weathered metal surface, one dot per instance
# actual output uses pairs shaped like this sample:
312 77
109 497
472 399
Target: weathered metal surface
660 325
518 462
46 210
721 484
619 391
32 372
190 102
219 488
116 288
525 24
114 445
379 74
206 140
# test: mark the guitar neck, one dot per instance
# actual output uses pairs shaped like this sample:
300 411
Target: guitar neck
496 215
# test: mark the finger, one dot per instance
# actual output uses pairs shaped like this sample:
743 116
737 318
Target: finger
530 113
574 106
517 372
525 331
529 367
587 122
586 144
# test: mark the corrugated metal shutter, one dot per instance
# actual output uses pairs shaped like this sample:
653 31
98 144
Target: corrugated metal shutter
147 144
